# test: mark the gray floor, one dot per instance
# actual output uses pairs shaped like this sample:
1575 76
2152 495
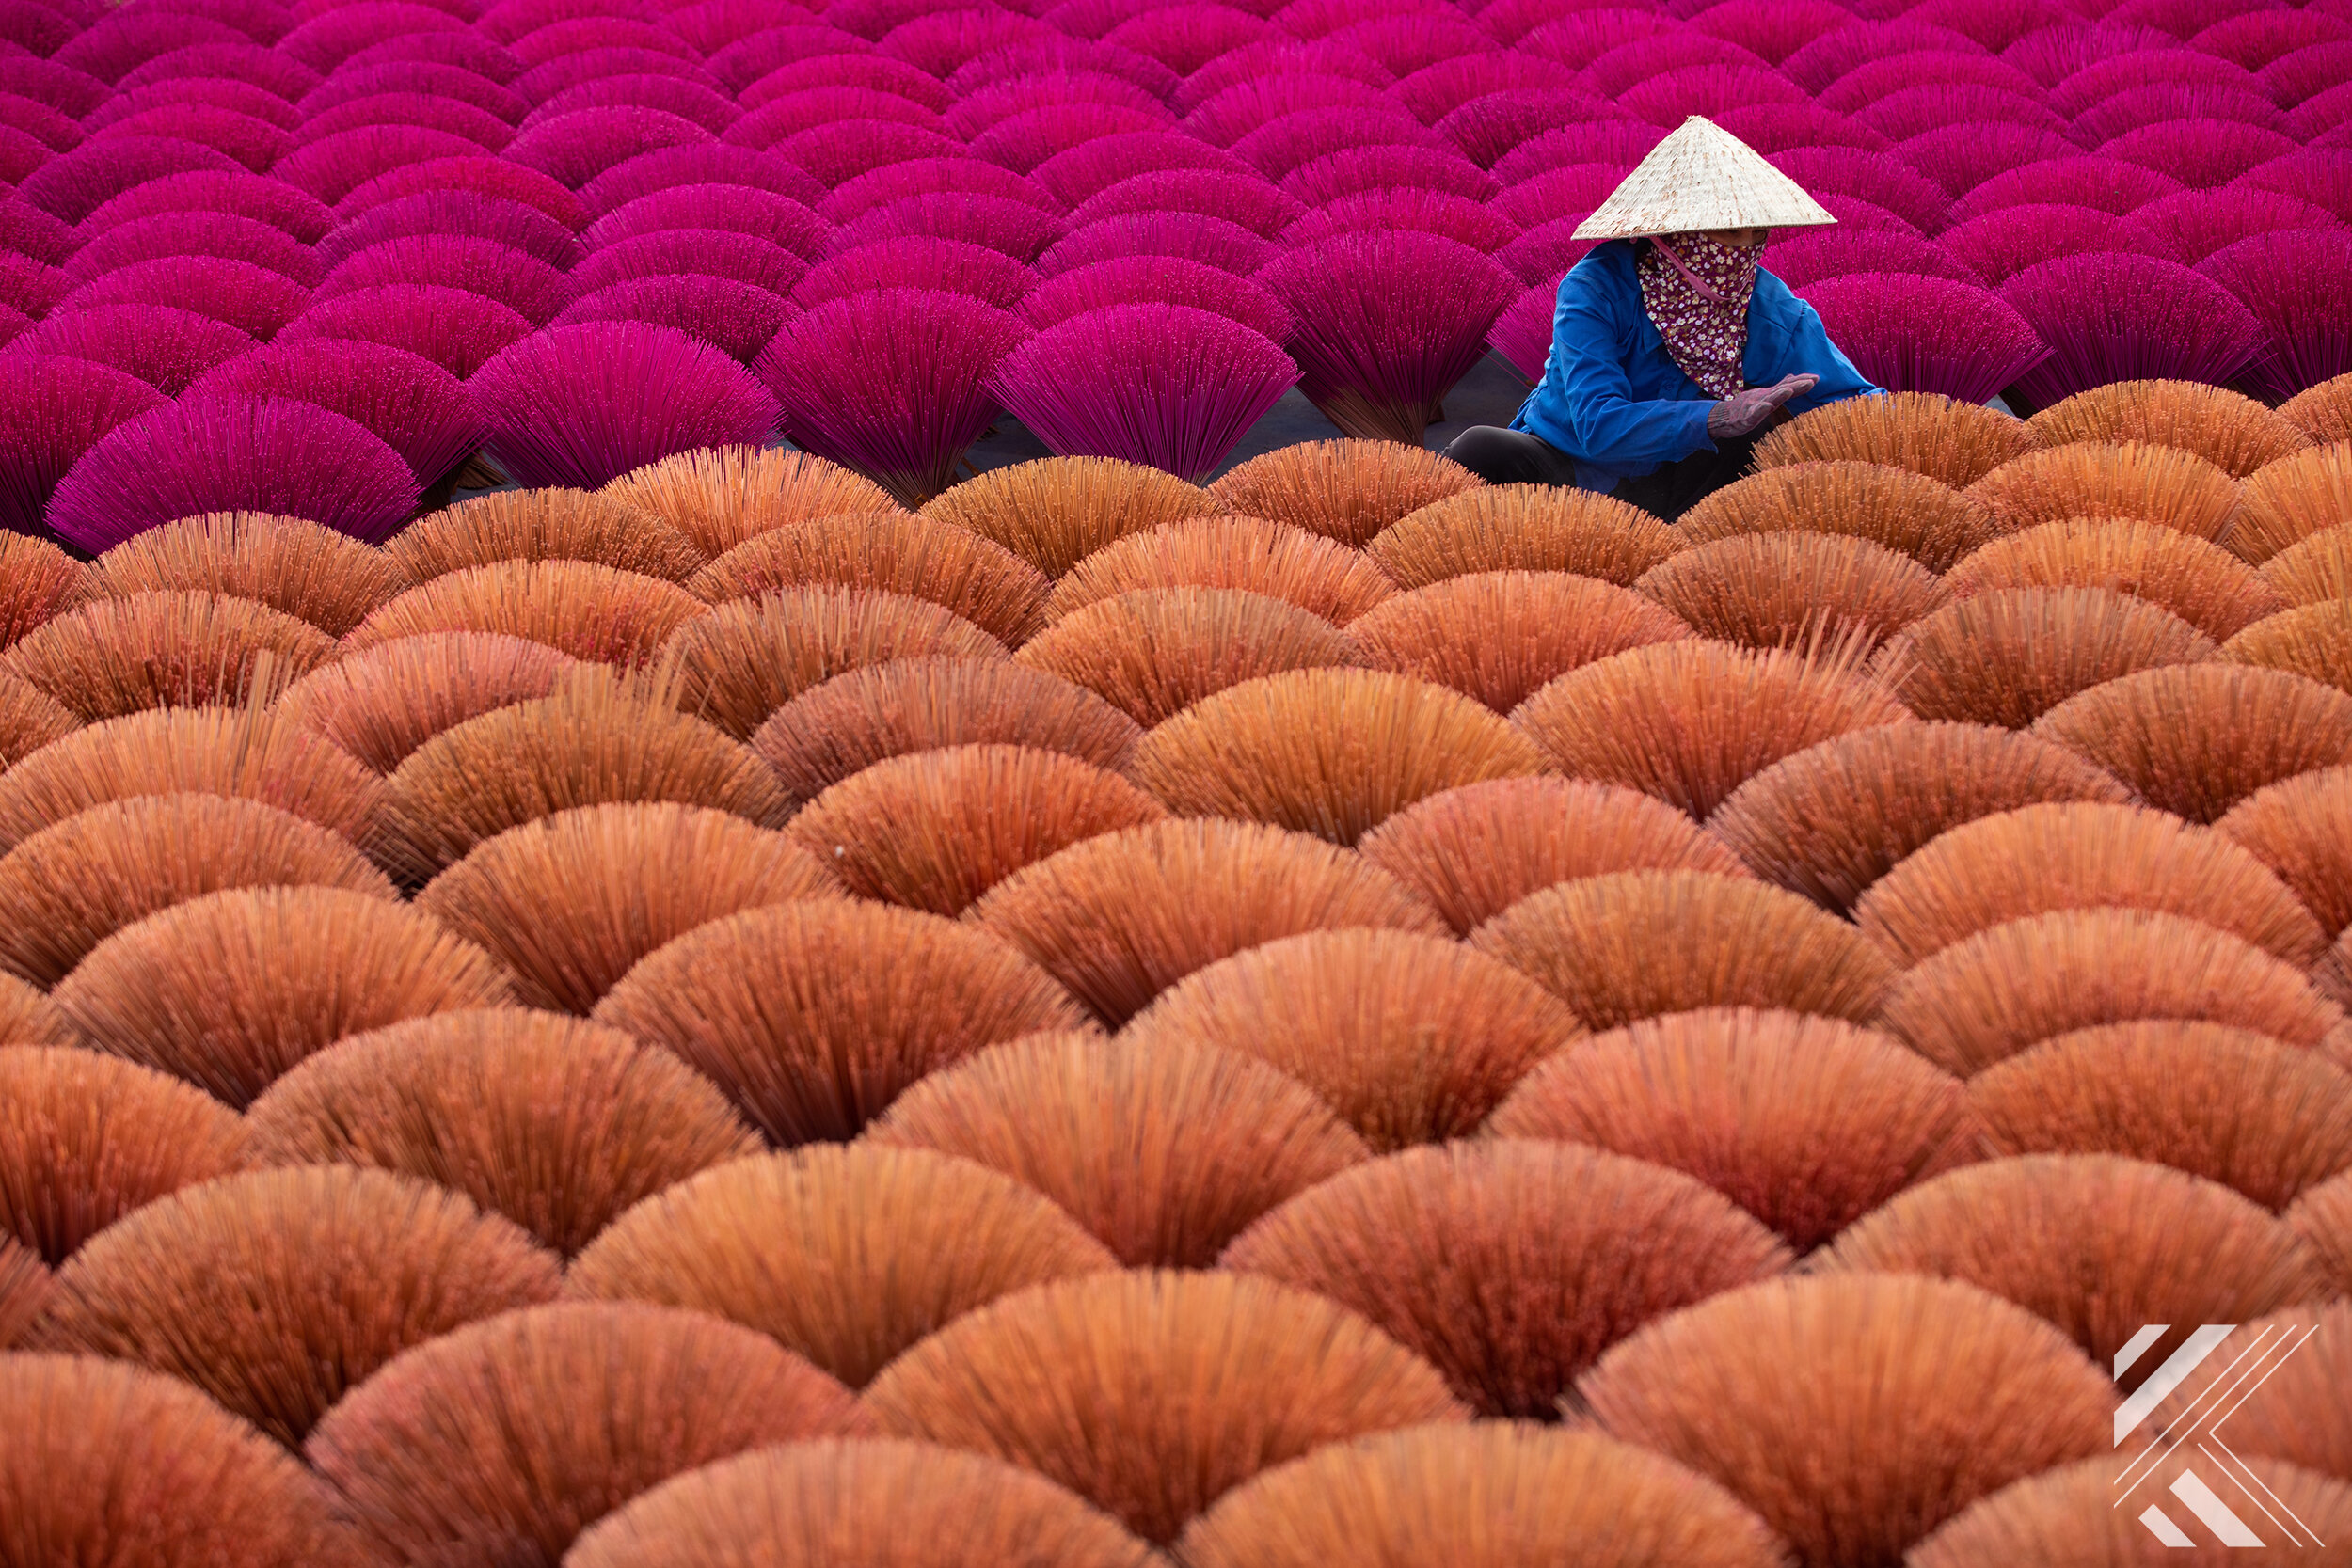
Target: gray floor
1490 394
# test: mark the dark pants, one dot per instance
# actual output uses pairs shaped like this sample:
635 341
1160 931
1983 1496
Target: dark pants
1501 456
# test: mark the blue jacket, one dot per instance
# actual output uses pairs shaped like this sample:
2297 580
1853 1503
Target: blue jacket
1613 399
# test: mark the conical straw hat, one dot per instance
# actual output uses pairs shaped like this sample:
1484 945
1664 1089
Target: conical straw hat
1702 177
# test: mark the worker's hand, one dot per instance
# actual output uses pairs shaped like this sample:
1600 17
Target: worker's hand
1749 407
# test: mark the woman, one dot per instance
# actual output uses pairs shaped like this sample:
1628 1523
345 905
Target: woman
1672 349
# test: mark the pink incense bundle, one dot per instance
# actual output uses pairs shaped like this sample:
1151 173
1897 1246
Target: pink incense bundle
1771 29
999 100
1019 230
300 217
2302 74
1163 384
1057 53
1280 146
1779 127
1023 141
69 91
777 219
875 71
509 20
426 78
2299 285
1355 169
334 166
1638 60
559 75
1244 106
523 283
1316 19
736 319
483 175
711 163
1592 141
113 48
1959 158
1464 222
1211 241
1408 44
31 288
406 400
1933 105
1522 334
254 143
1998 23
1278 54
1079 173
1666 101
891 382
1872 80
1439 90
789 114
836 153
1545 253
2173 65
1185 37
1574 38
2110 185
2118 317
51 411
1255 204
466 51
484 218
1488 129
1816 65
582 35
329 39
964 176
454 329
165 348
745 258
1879 179
1156 279
574 148
939 41
75 184
244 60
2200 154
2256 38
2318 175
254 300
706 107
1912 334
1806 256
1386 324
434 112
918 261
581 404
2192 225
31 232
2157 102
2002 244
756 54
226 453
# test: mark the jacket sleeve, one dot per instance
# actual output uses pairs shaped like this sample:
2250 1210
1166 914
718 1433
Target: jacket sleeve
1809 352
1589 410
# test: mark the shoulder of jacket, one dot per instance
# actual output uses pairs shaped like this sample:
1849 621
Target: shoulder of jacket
1606 272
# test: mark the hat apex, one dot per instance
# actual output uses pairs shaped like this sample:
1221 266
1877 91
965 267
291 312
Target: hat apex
1702 177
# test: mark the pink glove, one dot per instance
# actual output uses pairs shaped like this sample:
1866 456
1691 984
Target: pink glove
1748 408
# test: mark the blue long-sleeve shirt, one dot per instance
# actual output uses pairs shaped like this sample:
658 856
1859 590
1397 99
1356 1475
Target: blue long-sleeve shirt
1613 399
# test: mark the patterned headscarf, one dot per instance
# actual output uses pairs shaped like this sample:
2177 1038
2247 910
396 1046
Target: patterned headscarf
1697 290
